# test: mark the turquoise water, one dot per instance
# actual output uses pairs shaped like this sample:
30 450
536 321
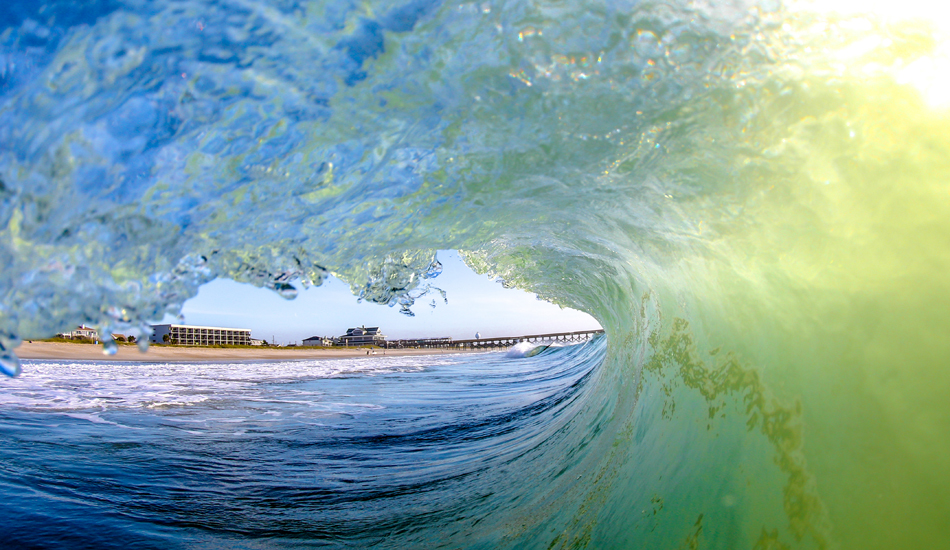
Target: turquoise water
751 198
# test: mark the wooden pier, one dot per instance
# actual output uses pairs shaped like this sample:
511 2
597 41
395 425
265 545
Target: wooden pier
503 342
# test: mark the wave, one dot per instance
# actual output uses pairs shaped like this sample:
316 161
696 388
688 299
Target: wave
81 385
750 198
526 349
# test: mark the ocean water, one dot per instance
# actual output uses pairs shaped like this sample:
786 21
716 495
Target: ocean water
751 198
313 454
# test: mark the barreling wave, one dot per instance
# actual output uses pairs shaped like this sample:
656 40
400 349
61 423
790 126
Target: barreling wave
750 197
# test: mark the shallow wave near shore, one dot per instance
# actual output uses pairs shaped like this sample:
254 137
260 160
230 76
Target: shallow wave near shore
751 198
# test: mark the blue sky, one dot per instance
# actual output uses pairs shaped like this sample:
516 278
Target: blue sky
476 304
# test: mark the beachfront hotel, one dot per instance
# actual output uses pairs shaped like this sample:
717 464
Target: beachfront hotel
187 335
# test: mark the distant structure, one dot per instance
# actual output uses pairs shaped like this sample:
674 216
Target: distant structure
362 336
442 342
502 342
324 341
478 336
187 335
82 331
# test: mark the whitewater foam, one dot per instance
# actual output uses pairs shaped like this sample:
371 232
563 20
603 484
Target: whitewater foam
82 385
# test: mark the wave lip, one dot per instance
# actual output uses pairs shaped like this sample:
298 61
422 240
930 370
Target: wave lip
530 349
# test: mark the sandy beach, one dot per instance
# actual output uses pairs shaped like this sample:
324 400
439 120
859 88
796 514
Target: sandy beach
91 352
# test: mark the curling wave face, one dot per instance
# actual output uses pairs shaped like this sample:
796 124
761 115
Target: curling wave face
751 198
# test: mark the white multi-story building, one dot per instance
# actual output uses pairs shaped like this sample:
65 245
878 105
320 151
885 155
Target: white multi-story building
187 335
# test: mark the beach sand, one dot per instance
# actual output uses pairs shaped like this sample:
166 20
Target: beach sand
91 352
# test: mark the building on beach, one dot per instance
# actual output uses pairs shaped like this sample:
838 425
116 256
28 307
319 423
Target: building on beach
362 336
187 335
81 332
324 341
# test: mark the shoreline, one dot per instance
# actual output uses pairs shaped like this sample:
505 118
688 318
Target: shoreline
61 351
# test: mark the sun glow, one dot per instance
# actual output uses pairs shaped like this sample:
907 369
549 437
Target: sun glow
927 68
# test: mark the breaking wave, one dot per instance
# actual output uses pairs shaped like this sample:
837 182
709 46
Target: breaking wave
750 197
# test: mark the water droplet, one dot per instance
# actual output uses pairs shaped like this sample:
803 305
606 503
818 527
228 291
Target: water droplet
433 271
9 363
142 343
286 291
109 347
